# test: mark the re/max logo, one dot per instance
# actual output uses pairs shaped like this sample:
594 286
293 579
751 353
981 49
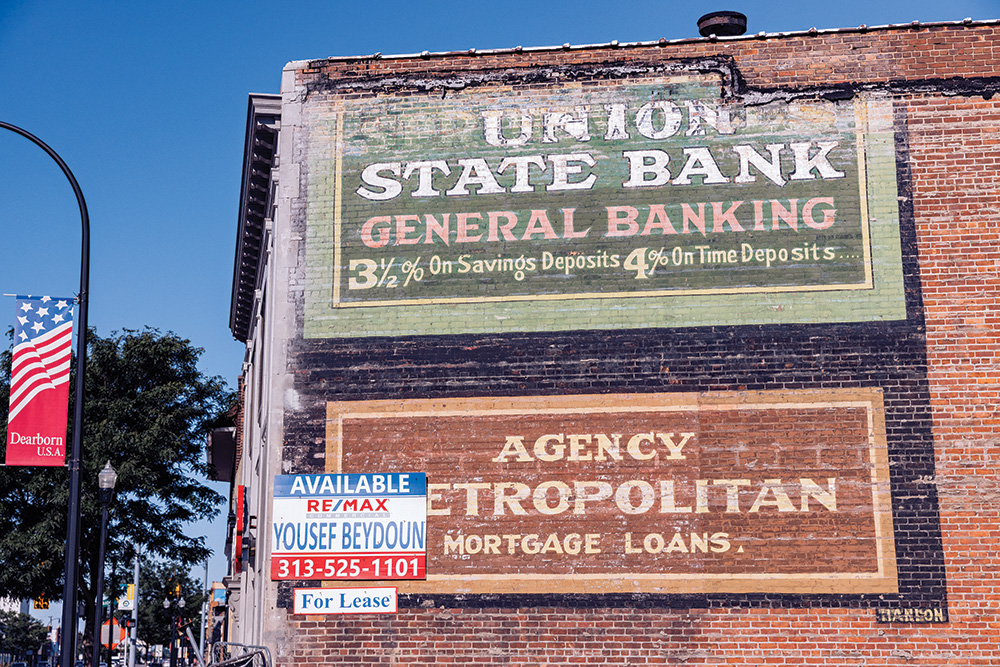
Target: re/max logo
328 505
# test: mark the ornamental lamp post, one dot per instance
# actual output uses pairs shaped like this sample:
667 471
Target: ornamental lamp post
173 657
175 625
180 622
106 480
166 607
106 486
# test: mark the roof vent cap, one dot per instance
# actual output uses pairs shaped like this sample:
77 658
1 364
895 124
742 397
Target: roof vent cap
722 24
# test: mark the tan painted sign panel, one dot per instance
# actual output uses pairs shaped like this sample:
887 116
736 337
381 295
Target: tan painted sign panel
659 493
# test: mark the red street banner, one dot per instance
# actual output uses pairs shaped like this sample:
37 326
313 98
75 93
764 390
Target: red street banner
39 382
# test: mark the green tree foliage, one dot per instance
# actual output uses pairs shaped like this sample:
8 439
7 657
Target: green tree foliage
170 581
20 634
145 411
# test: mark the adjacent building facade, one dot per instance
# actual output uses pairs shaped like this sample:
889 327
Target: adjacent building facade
694 340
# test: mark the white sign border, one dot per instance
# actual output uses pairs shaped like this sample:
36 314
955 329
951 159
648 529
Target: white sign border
331 592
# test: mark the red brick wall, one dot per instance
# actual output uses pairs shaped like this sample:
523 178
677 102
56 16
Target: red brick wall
955 161
631 636
953 143
797 61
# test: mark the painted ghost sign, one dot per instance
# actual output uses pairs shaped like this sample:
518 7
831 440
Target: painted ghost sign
636 202
778 491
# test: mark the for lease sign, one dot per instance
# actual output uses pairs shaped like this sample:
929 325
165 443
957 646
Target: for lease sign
381 600
360 526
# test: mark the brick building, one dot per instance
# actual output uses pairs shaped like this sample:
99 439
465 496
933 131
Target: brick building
695 341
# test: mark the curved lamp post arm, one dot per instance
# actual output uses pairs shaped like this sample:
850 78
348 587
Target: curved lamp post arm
67 648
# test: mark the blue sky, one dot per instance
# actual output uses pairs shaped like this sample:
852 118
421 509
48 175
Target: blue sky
146 102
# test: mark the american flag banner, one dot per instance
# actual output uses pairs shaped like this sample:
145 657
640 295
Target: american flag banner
39 381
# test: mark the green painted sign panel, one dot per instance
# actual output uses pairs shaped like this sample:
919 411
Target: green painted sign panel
596 204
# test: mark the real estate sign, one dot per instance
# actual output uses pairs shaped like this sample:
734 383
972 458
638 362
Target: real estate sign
357 526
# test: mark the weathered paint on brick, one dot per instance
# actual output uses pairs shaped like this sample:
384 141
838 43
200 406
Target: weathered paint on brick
781 491
934 366
648 190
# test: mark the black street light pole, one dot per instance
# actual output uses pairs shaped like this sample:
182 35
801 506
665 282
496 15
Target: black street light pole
67 648
176 619
106 483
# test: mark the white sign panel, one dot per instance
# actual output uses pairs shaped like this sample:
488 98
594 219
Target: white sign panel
127 603
349 526
381 600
